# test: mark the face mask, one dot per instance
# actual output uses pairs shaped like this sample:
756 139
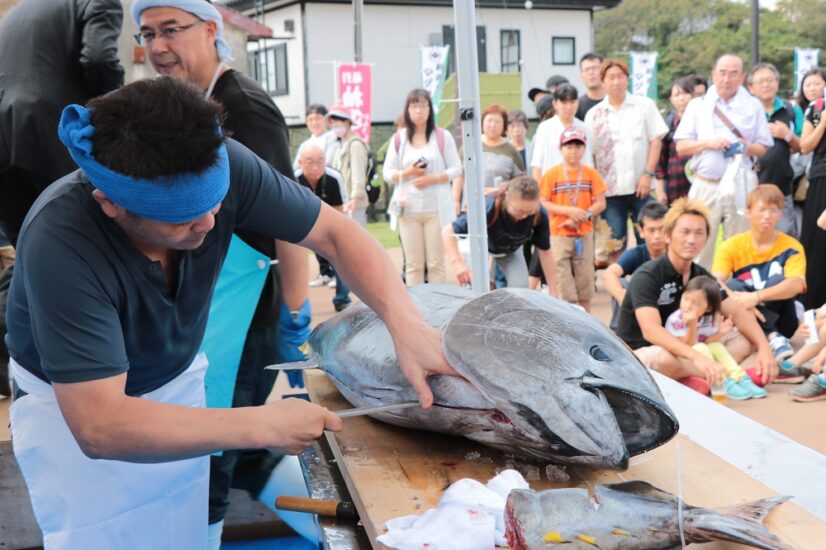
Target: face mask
339 131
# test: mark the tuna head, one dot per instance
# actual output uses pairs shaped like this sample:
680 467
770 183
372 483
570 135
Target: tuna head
574 391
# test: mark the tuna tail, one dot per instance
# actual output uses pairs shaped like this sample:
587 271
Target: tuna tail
742 524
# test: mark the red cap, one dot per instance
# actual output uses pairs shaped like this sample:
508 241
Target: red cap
572 133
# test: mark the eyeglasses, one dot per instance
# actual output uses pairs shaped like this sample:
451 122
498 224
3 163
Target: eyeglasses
763 81
418 107
144 38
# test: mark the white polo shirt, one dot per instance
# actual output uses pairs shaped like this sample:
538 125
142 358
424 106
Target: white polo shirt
620 139
700 123
546 144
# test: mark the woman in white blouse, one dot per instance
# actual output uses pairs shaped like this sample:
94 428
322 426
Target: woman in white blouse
422 161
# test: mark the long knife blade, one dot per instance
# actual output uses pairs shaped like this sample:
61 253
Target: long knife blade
347 413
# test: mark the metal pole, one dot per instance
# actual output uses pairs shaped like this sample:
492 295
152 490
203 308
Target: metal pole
755 32
358 13
467 72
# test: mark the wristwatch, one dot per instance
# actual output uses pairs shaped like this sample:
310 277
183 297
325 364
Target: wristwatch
588 215
788 138
650 173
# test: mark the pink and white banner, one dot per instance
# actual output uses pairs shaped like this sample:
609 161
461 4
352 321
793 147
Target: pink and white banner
354 92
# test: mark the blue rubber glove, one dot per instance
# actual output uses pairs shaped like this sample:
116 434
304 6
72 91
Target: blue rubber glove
293 332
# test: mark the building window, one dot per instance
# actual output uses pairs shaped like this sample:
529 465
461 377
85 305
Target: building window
563 50
509 44
449 39
271 69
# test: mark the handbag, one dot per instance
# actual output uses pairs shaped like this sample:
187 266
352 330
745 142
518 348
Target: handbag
801 188
737 182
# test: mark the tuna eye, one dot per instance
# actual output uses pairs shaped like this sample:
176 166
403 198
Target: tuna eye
598 354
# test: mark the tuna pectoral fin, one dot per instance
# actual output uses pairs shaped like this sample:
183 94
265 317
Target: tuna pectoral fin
742 524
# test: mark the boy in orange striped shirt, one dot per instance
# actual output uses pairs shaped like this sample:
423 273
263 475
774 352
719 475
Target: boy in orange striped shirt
573 194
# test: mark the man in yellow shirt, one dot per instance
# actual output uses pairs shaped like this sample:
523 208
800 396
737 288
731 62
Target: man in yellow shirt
765 270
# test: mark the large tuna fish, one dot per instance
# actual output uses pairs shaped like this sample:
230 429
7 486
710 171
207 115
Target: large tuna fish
628 516
542 379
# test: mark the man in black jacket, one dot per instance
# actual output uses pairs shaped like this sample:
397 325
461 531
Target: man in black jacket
54 52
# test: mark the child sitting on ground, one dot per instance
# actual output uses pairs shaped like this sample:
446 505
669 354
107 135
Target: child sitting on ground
814 388
700 324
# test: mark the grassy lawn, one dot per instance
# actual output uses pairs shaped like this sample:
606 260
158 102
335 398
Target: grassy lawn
381 231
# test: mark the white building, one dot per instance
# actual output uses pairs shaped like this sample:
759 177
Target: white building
297 66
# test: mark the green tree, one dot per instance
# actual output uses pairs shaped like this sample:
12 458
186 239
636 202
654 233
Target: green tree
690 35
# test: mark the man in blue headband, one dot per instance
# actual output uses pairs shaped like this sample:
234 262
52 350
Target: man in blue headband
116 266
184 38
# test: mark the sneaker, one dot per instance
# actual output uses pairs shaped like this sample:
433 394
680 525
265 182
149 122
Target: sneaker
332 283
781 347
811 390
755 391
735 391
341 306
321 280
789 374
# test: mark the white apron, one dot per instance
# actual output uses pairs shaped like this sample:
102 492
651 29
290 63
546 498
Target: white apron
82 503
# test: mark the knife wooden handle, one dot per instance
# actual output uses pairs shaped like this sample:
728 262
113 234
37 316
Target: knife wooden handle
330 508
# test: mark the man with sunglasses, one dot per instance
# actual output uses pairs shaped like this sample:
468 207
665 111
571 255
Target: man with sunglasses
184 38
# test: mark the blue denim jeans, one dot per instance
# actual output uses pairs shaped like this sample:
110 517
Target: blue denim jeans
616 214
342 291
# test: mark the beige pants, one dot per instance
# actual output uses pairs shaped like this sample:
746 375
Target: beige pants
733 223
575 274
422 243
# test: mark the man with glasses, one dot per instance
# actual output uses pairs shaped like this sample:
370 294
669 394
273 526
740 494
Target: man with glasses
786 125
589 67
715 128
765 270
184 38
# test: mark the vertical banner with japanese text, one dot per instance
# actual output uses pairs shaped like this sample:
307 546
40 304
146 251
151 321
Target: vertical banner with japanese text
644 74
804 59
434 67
354 92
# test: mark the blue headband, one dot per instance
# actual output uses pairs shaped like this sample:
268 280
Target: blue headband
177 198
199 8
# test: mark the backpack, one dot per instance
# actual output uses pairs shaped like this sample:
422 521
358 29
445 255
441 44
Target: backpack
817 107
497 206
371 187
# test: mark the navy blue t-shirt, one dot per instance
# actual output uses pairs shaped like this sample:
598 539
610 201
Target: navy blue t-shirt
86 304
505 234
633 258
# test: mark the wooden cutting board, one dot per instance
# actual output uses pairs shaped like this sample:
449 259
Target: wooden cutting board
392 472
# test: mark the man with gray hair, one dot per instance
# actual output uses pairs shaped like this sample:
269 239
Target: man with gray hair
725 122
786 125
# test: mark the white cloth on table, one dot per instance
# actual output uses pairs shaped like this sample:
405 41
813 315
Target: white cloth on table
470 516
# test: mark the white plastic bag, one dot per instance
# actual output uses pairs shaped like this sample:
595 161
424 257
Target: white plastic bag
737 182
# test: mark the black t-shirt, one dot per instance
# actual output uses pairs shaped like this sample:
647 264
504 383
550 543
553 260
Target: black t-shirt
86 304
775 166
585 104
505 234
254 120
818 169
655 284
328 188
